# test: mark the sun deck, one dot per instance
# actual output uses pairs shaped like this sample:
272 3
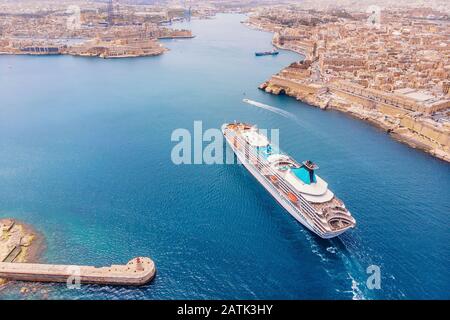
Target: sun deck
295 182
255 139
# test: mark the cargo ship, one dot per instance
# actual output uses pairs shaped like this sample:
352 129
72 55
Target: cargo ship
295 186
267 53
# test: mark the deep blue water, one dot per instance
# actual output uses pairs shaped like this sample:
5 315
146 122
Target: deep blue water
85 158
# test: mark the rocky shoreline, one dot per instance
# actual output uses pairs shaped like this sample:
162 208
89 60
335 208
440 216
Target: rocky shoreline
19 242
390 124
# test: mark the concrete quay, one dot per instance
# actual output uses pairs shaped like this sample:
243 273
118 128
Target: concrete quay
137 271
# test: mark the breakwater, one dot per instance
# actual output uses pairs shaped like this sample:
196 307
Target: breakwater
137 271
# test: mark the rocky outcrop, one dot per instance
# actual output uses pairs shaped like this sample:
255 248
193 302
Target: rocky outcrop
18 242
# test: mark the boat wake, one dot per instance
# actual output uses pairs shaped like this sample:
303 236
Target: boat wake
356 257
349 276
279 111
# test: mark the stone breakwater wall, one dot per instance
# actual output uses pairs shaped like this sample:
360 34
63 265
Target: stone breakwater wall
138 271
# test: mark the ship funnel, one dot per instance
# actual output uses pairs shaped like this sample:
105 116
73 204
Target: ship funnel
310 167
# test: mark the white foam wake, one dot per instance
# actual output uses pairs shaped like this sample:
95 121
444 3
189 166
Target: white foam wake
279 111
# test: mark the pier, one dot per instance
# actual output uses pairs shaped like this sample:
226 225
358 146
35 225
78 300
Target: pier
137 271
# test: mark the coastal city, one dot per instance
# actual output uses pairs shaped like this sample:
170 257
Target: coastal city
100 29
92 93
392 69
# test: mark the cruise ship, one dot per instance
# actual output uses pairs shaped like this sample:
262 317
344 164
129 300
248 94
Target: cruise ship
296 186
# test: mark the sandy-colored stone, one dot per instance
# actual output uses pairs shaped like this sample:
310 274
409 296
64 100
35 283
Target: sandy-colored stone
137 271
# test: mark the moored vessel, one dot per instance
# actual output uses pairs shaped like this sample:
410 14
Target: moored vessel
296 186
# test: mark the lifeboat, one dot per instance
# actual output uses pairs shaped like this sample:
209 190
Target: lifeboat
273 179
292 197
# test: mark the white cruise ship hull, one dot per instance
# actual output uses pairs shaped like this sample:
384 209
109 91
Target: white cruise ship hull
283 201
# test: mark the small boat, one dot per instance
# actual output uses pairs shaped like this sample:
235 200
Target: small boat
267 53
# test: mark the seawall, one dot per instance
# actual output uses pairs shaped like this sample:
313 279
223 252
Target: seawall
416 133
137 271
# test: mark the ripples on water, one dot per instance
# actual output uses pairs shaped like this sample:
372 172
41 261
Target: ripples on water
87 162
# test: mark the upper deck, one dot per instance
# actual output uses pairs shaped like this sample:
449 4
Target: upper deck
296 182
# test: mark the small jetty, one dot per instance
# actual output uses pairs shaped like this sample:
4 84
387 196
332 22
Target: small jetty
137 271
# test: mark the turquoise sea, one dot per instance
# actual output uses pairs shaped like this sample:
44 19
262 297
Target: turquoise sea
85 158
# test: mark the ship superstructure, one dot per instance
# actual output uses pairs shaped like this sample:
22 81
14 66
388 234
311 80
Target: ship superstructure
296 186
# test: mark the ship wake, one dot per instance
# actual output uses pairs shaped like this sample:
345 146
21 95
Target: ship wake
278 111
344 269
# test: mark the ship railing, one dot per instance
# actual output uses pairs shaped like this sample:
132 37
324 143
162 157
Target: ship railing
250 154
281 185
253 157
